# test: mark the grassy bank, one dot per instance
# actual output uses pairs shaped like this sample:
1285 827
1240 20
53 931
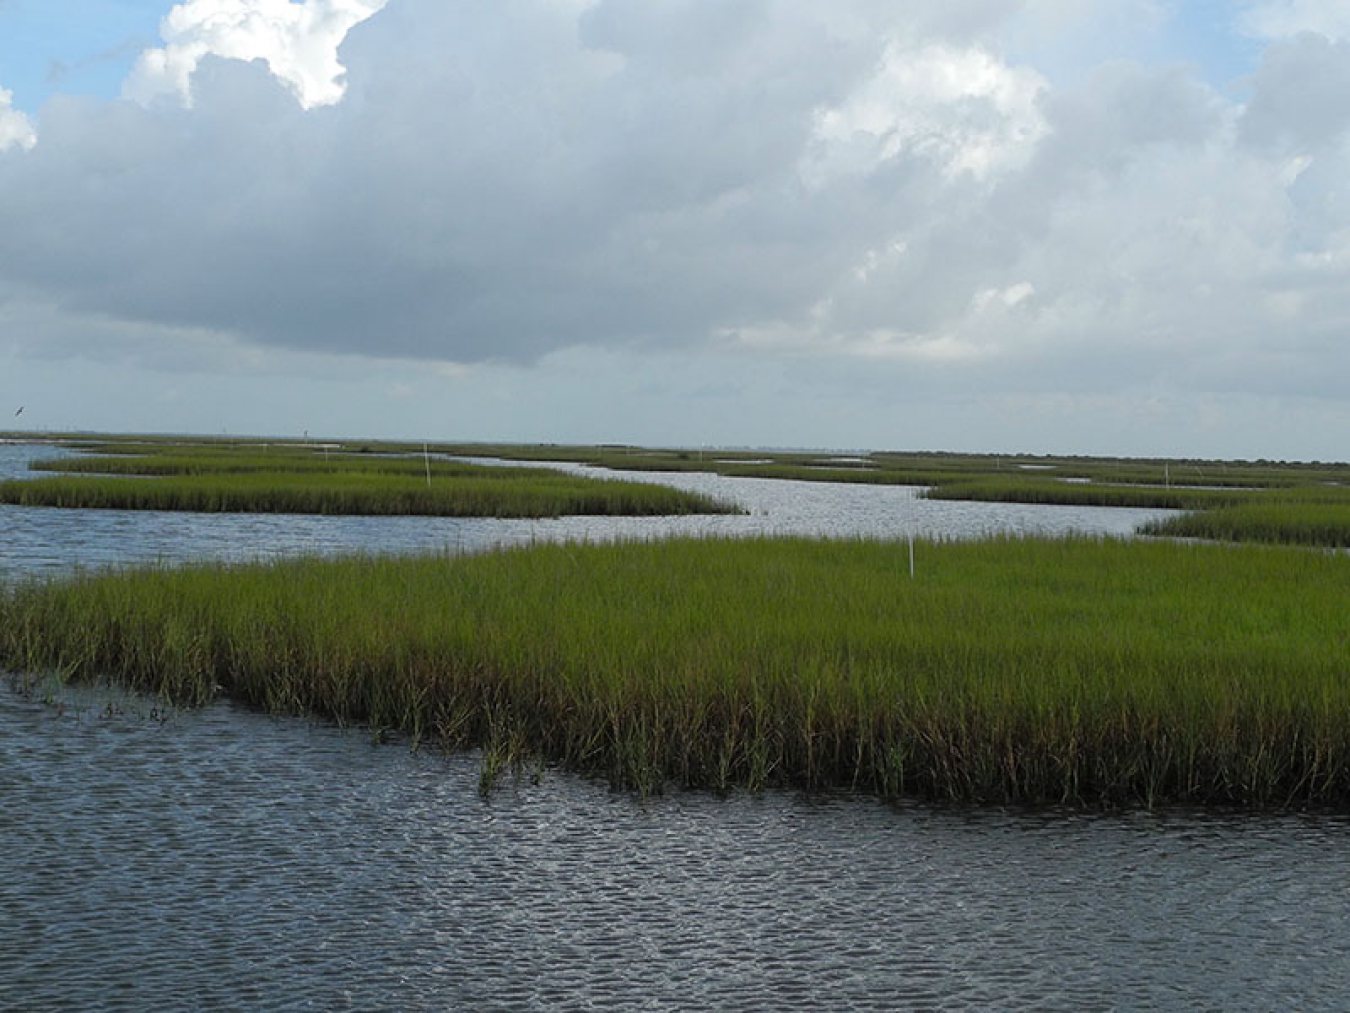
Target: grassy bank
1295 515
1298 517
1088 672
300 480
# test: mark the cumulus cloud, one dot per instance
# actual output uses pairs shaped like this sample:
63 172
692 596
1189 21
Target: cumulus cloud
500 180
16 130
851 181
965 108
297 41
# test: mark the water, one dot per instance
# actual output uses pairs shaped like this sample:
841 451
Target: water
223 859
38 540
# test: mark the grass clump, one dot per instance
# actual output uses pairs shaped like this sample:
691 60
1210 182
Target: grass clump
1087 672
1298 517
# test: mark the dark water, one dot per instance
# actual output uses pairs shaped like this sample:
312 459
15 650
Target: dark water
223 859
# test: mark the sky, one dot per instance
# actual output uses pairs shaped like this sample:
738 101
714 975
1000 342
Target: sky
1041 226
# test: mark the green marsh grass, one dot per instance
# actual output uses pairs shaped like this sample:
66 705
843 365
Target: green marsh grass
1294 514
292 480
926 467
901 467
1080 671
1299 516
1183 484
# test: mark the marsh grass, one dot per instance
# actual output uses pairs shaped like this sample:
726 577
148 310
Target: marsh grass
171 461
1080 671
925 468
1298 515
291 480
1307 516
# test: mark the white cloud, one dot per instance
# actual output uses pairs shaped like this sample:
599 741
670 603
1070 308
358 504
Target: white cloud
16 130
888 196
964 108
297 41
1277 19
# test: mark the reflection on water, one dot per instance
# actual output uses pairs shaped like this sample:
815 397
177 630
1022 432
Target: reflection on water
44 540
227 859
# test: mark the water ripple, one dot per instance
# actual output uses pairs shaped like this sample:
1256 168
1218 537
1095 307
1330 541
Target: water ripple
224 859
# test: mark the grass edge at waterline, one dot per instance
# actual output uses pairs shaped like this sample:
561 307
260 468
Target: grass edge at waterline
1289 520
1090 672
234 480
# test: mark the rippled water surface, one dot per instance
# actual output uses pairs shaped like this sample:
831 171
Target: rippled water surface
223 859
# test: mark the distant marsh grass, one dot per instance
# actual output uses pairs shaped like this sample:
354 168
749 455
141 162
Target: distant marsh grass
291 480
1283 490
1280 494
927 468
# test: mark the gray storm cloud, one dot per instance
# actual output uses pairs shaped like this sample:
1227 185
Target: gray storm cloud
500 181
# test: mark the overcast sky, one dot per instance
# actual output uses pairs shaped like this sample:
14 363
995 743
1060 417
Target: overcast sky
1069 226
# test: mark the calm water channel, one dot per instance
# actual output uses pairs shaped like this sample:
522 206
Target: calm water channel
223 859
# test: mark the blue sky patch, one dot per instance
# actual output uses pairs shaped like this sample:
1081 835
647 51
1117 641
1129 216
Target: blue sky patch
44 49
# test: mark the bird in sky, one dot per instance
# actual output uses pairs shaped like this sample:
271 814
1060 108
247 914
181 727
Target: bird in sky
19 412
